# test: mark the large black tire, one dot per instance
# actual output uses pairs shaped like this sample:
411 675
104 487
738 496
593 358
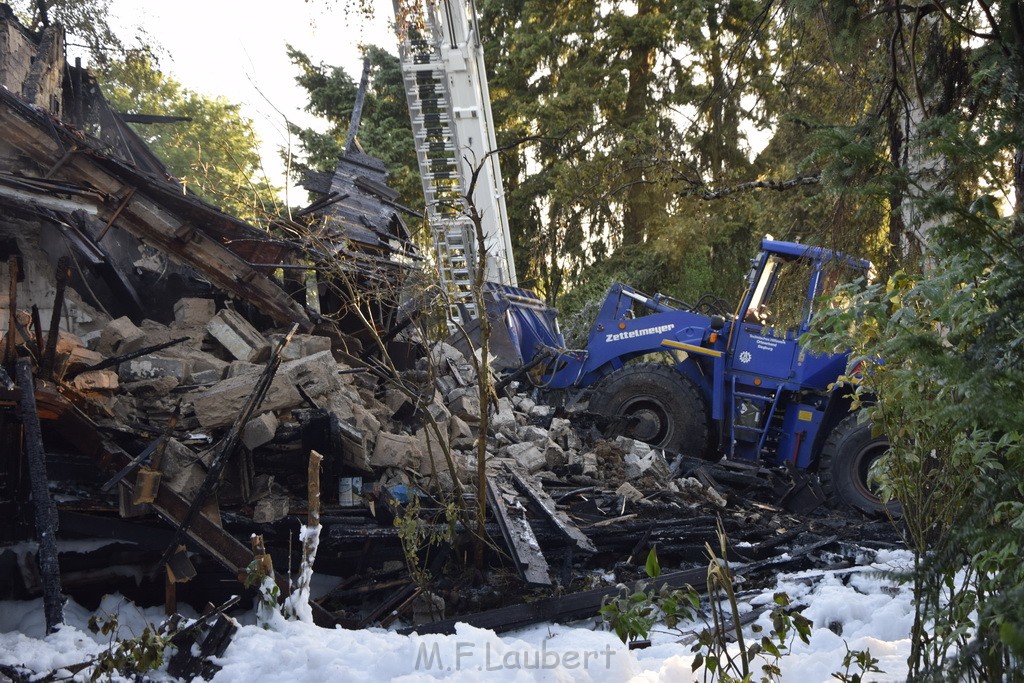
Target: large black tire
669 410
845 462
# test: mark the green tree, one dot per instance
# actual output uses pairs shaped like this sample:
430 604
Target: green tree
214 153
625 118
384 130
86 20
942 337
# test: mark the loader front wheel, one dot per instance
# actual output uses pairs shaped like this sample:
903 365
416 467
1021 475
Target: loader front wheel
664 407
845 467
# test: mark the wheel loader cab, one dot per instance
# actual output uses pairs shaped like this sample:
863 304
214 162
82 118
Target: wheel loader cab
777 310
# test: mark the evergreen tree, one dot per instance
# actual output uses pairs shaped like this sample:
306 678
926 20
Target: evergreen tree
384 130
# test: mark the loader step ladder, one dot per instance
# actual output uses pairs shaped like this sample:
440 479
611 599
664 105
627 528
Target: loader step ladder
449 108
764 403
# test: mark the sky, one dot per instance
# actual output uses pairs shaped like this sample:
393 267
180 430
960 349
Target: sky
236 49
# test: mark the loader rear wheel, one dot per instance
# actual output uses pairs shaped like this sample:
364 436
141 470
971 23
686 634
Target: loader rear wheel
668 410
845 464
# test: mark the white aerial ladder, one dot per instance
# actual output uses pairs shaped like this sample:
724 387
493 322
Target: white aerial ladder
450 108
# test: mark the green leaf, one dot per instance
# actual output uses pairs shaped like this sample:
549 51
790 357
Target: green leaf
652 567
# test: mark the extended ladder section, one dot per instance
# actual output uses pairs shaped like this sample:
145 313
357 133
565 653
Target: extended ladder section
449 106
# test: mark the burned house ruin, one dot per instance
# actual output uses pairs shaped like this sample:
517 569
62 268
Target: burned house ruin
168 368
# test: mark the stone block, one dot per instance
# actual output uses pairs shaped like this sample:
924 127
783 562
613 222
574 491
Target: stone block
465 403
120 336
153 366
433 459
533 434
589 462
504 418
554 456
643 459
183 470
397 450
240 367
527 455
241 339
443 354
260 430
301 345
221 404
630 492
270 509
194 311
561 432
96 380
205 377
316 374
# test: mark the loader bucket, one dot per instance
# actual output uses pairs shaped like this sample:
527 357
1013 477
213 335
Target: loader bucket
521 325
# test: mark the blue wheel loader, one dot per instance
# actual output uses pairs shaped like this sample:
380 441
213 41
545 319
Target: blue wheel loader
708 382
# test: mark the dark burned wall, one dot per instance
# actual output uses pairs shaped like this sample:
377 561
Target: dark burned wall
38 246
123 278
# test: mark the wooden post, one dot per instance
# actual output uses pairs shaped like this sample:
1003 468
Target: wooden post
53 333
313 473
12 301
44 509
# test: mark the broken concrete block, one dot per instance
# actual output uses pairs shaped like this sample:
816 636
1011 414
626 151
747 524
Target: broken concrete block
504 418
270 509
527 455
194 311
397 450
260 430
524 404
205 377
441 354
433 449
151 388
465 402
533 434
643 459
561 432
221 404
630 492
95 380
316 374
540 410
301 345
554 455
241 367
79 356
589 462
153 366
200 360
120 336
241 339
182 470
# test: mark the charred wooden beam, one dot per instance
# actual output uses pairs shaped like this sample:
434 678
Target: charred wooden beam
156 213
12 299
519 536
124 357
44 508
546 506
562 608
53 334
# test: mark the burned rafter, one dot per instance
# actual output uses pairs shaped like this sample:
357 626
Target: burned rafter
181 226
